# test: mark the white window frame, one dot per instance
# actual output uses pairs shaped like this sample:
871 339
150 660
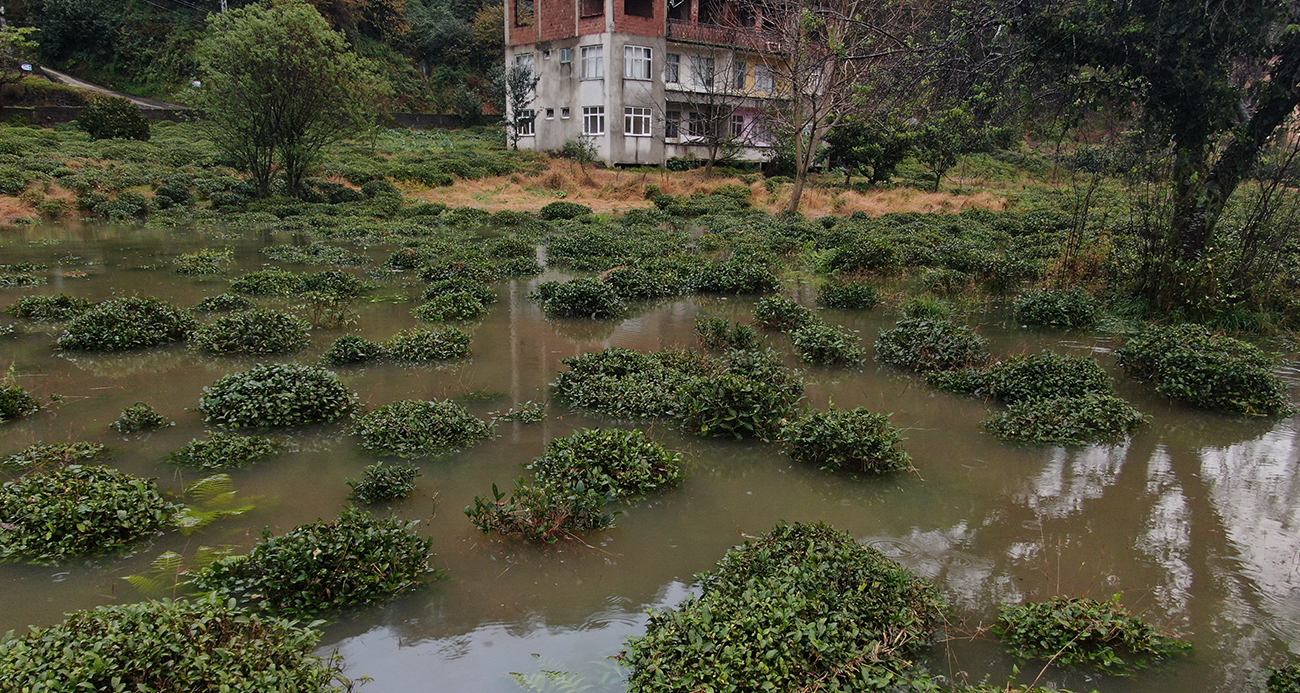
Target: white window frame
739 69
636 121
593 61
566 55
764 79
528 60
564 113
696 125
638 62
702 65
527 122
672 125
593 120
672 68
737 125
550 114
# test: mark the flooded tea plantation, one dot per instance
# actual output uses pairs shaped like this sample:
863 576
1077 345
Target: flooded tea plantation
1193 519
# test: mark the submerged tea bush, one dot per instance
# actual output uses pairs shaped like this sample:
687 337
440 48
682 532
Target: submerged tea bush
382 482
256 331
127 323
610 460
848 296
540 512
802 603
209 645
580 298
1284 680
779 313
224 303
455 305
719 334
15 402
625 383
323 566
1044 375
44 456
1070 310
56 308
1091 418
276 395
827 346
923 345
563 210
749 396
735 276
350 349
225 451
272 282
76 511
1190 364
856 440
482 292
427 345
205 262
413 428
1074 632
139 417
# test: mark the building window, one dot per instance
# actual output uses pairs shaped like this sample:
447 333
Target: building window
524 12
526 61
636 121
672 125
546 55
593 62
696 125
673 68
764 81
636 62
550 114
679 9
564 113
593 120
566 55
527 123
639 8
593 8
737 125
702 71
740 69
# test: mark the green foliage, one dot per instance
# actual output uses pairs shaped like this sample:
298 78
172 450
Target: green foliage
1079 420
621 462
628 384
1044 375
56 308
382 483
127 323
481 292
224 303
276 395
524 412
111 117
257 331
15 402
1069 310
139 417
863 255
225 451
856 440
44 456
73 511
455 305
641 284
580 298
827 346
848 296
204 263
750 395
563 210
351 349
428 345
780 313
413 428
325 566
1284 680
537 512
207 644
272 282
720 334
735 276
925 344
802 603
1190 364
1077 632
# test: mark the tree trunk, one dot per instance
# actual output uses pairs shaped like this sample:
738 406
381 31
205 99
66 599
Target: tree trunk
797 192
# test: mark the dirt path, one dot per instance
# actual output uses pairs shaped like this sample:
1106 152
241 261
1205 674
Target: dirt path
147 104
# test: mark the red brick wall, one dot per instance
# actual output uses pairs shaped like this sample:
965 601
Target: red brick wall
557 19
641 26
520 35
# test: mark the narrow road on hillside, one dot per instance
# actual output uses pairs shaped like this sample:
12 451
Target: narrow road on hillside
149 104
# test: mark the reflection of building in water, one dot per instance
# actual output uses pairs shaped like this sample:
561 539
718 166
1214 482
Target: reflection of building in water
1070 478
1167 538
941 555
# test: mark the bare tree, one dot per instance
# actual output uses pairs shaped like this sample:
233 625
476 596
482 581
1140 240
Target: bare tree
716 89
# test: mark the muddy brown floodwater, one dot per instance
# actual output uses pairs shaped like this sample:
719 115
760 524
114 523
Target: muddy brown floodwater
1195 520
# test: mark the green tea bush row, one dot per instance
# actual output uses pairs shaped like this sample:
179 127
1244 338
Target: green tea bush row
455 305
277 395
628 384
780 313
580 298
121 324
257 332
1091 418
734 277
315 254
225 451
1044 375
413 428
541 513
47 455
352 349
856 440
380 483
224 303
417 345
625 463
748 395
1068 310
480 291
924 345
848 296
1076 632
139 417
56 308
827 346
719 334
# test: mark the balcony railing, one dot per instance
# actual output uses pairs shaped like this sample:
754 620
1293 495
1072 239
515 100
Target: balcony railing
738 37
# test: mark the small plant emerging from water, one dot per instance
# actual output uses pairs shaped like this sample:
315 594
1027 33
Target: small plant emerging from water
256 332
380 483
417 345
541 513
720 334
848 296
580 298
525 412
127 323
277 395
1073 632
204 263
779 313
924 345
824 345
352 349
1068 310
47 455
56 308
856 440
224 303
15 402
139 417
1091 418
225 451
414 428
324 566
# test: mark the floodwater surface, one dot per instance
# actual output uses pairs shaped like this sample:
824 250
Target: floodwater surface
1194 521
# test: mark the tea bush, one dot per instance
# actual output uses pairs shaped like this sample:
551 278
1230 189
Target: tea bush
413 428
640 284
563 210
802 603
827 346
121 324
325 566
719 334
277 395
924 345
537 512
204 263
224 303
848 296
749 396
525 412
139 417
427 345
455 305
1076 632
44 456
56 308
257 331
1069 310
1284 680
335 282
73 511
580 298
382 483
225 451
628 384
15 402
1190 364
779 313
856 440
1033 376
207 644
863 255
112 117
350 349
481 292
620 462
1080 420
272 282
735 276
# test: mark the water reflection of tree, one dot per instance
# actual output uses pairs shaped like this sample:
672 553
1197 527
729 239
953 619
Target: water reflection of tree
152 361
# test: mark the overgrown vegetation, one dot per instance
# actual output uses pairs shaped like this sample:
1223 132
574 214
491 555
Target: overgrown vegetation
1044 375
580 298
927 344
1069 310
56 308
380 483
352 349
47 455
848 296
413 428
1079 420
827 346
277 395
16 402
417 345
1284 679
139 417
719 334
257 332
225 451
856 440
121 324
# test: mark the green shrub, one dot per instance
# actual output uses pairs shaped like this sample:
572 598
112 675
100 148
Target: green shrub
1073 632
427 345
748 397
946 282
735 276
563 210
928 308
856 440
1079 420
628 384
525 412
172 194
848 296
456 305
638 284
1284 680
272 282
72 511
277 395
224 303
380 188
537 512
324 566
206 643
350 349
127 323
15 402
780 313
382 483
1044 375
827 346
580 298
1069 310
609 460
1190 364
413 428
860 255
520 267
336 282
257 331
481 292
719 334
924 345
476 269
56 308
225 451
43 456
205 262
139 417
803 603
111 117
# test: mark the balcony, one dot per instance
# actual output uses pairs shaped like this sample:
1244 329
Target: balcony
735 37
